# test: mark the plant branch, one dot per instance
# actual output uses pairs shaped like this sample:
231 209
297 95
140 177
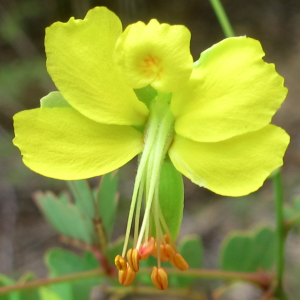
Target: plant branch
260 279
49 281
123 291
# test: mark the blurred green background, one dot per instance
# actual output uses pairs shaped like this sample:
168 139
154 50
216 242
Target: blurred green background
24 235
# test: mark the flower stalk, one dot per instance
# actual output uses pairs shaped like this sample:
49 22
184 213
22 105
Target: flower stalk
222 17
280 231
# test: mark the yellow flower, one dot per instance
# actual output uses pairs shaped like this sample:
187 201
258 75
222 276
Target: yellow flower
134 92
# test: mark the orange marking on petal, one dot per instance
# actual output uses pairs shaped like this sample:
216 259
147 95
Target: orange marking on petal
150 66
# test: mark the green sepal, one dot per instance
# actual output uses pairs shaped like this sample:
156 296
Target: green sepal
108 200
146 94
191 248
248 251
171 196
63 262
54 99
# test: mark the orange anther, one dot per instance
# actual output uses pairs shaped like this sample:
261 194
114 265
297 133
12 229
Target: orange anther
167 239
159 277
170 251
126 277
179 262
144 257
147 247
163 254
133 258
120 263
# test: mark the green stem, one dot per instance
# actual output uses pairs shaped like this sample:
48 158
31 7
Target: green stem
260 279
280 232
222 17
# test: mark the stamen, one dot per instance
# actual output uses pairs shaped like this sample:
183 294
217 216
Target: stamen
147 247
159 278
120 263
163 254
138 210
133 259
126 277
157 155
179 262
170 251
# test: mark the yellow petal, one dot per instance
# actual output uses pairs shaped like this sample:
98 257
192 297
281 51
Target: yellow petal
79 60
156 54
234 167
231 92
62 144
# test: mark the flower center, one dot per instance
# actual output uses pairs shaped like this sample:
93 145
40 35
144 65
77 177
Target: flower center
151 67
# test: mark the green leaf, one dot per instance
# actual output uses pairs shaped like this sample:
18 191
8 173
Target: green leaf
292 211
171 196
83 197
31 294
65 217
7 281
62 262
48 294
116 248
190 247
150 262
108 200
248 251
54 99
